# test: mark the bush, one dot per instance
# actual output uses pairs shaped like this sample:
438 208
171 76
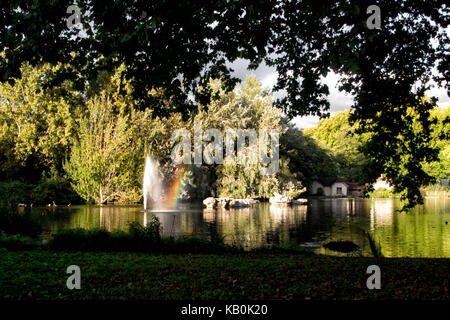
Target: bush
149 233
138 239
380 193
54 187
88 240
102 240
17 242
195 245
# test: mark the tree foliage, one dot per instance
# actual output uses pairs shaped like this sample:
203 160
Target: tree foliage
307 159
399 145
175 47
98 157
167 43
440 140
36 123
355 147
247 107
338 136
107 157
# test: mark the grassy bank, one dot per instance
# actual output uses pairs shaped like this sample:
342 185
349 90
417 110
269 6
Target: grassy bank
41 274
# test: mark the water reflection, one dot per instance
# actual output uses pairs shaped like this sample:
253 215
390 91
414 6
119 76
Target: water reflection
381 213
421 232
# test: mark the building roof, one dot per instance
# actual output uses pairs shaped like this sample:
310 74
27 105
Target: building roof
328 182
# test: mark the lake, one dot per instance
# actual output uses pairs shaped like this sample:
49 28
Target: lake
421 232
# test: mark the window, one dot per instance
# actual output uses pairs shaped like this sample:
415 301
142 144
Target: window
339 190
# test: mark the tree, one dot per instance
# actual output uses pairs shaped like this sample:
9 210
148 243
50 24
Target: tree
160 43
346 141
307 160
440 136
338 136
168 43
400 143
36 122
98 157
247 107
112 139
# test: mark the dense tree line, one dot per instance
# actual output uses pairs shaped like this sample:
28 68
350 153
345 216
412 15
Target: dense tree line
61 144
65 145
338 136
347 147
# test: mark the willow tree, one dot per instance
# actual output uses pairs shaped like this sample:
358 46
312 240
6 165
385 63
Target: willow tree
247 107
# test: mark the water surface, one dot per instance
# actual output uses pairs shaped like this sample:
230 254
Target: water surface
422 232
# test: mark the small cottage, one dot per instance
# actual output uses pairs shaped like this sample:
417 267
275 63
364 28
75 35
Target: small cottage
330 187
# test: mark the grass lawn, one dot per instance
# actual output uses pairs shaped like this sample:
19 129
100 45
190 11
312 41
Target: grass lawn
41 274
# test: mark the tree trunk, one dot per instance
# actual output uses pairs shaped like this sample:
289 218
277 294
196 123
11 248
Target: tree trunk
101 195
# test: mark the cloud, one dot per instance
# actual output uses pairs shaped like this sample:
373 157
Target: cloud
267 75
339 101
306 121
441 94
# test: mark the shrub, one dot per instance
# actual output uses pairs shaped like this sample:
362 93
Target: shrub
17 242
193 244
380 193
150 233
54 187
88 240
102 240
138 239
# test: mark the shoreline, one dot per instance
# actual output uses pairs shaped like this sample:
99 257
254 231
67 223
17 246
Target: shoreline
199 202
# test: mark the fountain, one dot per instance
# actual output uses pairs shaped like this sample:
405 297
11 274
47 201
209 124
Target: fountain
152 184
154 201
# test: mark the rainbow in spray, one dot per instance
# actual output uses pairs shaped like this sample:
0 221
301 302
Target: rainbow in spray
175 187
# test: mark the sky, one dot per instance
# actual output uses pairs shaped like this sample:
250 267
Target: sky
339 101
